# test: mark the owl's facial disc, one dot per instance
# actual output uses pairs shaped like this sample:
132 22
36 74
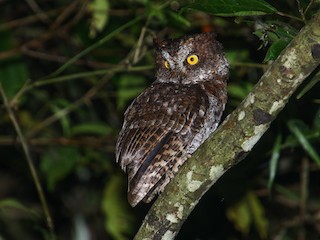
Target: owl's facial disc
178 60
167 59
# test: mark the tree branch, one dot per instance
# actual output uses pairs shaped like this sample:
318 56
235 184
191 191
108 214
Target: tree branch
235 138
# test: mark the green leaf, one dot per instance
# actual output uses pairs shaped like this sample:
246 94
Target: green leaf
156 10
276 33
13 203
287 193
295 127
316 121
239 91
247 212
240 216
275 49
91 128
232 7
284 30
178 19
13 75
100 15
57 163
274 160
311 135
259 219
13 71
314 80
119 218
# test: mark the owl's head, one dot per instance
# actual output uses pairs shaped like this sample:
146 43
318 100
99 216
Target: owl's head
191 59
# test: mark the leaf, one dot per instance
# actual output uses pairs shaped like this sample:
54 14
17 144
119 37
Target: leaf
259 219
156 10
13 71
276 33
239 91
91 128
316 121
312 135
100 15
288 193
13 203
314 80
57 163
119 219
240 215
178 19
247 212
13 75
274 161
295 127
232 7
284 30
274 50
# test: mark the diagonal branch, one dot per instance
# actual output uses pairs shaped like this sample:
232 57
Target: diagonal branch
235 138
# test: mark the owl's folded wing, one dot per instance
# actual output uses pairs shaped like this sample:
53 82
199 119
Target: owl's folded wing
155 146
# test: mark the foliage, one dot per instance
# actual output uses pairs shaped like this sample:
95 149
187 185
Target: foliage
248 211
69 69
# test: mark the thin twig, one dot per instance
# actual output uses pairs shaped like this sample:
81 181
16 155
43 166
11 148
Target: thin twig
15 99
27 20
84 99
52 31
249 65
94 46
30 162
62 59
79 14
289 16
308 7
300 9
104 143
89 74
65 111
88 96
64 14
9 54
35 7
137 52
29 86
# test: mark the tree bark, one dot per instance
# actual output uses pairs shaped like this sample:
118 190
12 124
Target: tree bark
236 136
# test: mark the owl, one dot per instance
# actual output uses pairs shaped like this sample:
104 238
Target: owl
170 119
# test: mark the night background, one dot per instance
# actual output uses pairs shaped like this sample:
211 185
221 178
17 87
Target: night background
68 71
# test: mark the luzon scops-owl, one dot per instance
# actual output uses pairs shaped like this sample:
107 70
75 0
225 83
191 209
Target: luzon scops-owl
170 119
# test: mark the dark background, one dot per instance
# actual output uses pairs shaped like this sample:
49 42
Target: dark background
70 120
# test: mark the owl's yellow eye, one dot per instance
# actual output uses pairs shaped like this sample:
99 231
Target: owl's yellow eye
193 59
166 64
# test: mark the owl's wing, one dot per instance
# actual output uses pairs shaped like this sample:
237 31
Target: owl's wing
151 179
158 128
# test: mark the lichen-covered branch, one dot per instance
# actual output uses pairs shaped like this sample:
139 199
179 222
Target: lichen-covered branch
236 136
